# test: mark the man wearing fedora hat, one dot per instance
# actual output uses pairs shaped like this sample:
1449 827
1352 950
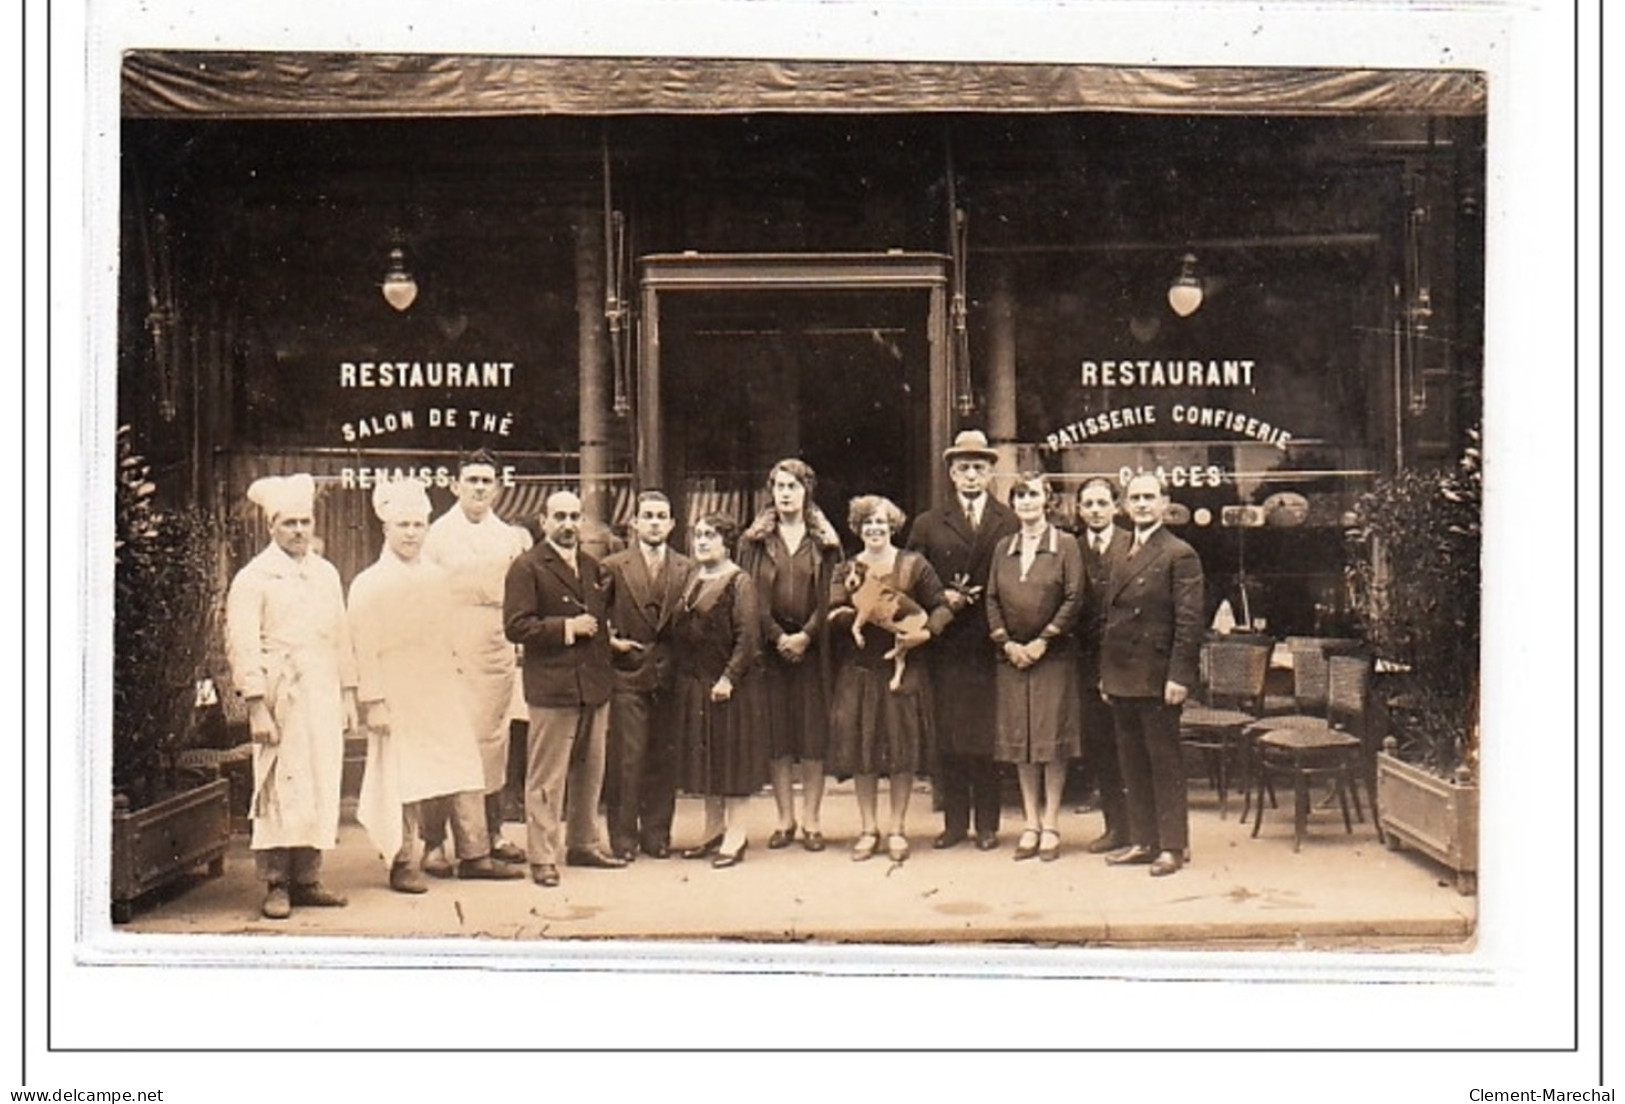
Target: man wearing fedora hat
959 539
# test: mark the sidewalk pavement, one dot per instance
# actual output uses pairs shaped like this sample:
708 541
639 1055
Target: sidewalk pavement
1340 891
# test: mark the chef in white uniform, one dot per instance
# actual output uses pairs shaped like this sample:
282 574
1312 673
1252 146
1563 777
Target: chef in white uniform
420 737
288 643
475 547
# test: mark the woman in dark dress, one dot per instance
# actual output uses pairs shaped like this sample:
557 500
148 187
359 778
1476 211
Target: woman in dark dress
875 729
715 638
1034 595
790 552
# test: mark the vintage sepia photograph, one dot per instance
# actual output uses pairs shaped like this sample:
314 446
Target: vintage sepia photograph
693 531
787 501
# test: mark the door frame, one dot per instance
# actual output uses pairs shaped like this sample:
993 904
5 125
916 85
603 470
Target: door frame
667 273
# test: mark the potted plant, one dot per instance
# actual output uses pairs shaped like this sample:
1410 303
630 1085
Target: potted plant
167 820
1415 580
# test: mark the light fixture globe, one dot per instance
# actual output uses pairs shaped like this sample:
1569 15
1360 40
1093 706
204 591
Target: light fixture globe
1185 293
399 289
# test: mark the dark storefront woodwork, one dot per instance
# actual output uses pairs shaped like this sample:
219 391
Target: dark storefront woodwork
1336 230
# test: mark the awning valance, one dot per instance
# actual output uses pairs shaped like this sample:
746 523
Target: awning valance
187 84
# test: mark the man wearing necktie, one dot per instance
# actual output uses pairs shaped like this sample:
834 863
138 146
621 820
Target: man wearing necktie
1103 545
554 605
646 584
959 539
1148 662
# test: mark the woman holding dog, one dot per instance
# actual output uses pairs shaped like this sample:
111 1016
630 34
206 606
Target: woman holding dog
880 718
716 638
790 552
1034 595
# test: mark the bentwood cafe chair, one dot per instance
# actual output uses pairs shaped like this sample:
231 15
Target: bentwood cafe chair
1306 707
1234 675
1333 750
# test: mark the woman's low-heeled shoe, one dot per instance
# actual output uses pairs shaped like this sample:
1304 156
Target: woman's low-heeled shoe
1027 845
726 859
812 841
864 848
1049 845
897 847
708 848
781 838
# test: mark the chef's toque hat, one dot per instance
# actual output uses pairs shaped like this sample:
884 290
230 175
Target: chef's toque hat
284 495
401 500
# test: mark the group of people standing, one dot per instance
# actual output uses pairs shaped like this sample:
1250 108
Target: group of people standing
1085 650
755 660
416 658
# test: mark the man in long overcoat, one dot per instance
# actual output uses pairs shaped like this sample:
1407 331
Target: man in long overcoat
959 538
646 585
1148 665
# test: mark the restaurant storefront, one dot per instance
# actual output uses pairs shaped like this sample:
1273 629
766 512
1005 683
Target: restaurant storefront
647 273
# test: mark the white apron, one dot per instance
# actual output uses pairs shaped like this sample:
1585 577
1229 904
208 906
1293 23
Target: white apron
477 556
288 641
401 617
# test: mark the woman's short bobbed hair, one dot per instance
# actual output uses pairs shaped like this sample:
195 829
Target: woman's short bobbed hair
864 507
726 528
1036 479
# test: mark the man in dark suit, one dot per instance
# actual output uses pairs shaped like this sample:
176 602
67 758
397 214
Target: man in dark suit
554 605
959 540
1104 544
646 583
1148 663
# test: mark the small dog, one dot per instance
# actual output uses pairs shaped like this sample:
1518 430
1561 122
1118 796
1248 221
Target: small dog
880 603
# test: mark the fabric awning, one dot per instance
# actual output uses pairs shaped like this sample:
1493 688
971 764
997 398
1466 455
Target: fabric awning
187 84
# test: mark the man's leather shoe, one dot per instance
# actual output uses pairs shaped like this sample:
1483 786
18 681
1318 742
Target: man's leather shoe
403 879
484 870
316 895
503 851
987 841
657 850
1166 863
947 840
627 854
276 906
1133 855
435 865
591 856
1100 845
545 875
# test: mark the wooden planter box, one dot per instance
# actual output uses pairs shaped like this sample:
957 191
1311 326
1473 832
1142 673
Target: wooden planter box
163 842
1436 816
